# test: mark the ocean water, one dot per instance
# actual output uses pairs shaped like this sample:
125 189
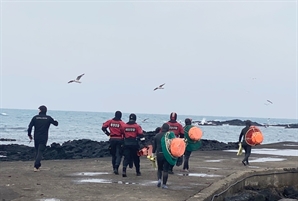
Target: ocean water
87 125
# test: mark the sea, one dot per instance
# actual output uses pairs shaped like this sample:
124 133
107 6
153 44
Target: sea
74 125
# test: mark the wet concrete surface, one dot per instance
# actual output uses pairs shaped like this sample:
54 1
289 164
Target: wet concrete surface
92 179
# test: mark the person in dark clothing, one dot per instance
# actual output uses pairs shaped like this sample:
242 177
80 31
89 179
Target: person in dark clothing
116 132
41 124
246 147
162 164
186 153
177 128
133 133
191 144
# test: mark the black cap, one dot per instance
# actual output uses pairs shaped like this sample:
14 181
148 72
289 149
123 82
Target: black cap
132 117
165 127
43 109
188 121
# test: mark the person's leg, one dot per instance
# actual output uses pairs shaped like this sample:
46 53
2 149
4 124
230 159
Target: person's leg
159 158
113 153
186 160
136 160
118 156
126 160
247 154
166 167
245 147
41 148
170 171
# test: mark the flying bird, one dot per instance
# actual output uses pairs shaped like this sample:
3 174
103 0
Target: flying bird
269 101
76 80
145 119
159 87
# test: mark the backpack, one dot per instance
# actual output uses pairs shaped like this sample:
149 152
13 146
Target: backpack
195 133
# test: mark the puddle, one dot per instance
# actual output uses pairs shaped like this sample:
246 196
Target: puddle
277 152
89 173
198 175
106 181
102 181
49 199
267 160
213 161
253 167
211 168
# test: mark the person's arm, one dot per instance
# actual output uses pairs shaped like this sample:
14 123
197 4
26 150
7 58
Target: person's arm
154 145
181 131
240 136
31 124
104 128
54 122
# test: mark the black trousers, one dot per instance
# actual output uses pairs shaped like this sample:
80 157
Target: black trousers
163 167
39 149
116 152
247 149
186 160
130 155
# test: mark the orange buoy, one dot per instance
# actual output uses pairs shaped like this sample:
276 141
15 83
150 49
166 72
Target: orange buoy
177 147
195 133
254 136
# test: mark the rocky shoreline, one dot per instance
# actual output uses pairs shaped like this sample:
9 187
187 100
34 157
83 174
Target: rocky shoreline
238 122
85 148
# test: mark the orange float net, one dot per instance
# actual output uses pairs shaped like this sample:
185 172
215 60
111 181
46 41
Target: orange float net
195 133
177 147
254 136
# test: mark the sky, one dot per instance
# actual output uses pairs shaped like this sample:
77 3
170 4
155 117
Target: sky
216 58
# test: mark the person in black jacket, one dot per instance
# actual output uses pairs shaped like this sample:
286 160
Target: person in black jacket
41 124
163 165
246 147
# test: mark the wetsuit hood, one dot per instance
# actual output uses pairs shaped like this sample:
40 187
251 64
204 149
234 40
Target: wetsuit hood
43 109
187 121
173 117
118 115
165 127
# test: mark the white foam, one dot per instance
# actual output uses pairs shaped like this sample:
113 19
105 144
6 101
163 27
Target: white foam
50 199
1 156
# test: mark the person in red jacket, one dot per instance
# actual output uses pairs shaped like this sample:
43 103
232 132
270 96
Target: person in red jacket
177 128
116 126
133 132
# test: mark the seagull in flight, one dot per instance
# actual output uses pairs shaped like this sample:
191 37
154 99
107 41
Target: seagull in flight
269 101
76 80
159 87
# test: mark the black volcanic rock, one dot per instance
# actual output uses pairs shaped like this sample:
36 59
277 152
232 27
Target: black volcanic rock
86 148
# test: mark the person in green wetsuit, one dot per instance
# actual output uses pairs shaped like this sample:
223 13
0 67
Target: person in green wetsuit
191 145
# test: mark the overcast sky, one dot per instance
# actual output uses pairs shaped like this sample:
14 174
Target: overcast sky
222 58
